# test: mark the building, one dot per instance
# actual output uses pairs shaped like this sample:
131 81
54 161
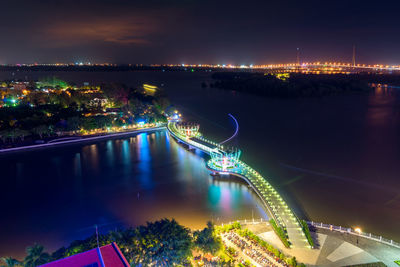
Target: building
107 256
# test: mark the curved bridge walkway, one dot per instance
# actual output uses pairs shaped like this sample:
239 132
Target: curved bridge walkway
272 201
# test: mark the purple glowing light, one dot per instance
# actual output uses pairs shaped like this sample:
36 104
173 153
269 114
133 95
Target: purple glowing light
236 131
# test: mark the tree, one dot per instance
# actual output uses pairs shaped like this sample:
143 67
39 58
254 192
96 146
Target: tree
10 262
206 240
64 99
162 243
89 123
293 261
36 256
37 98
40 130
89 243
124 239
31 85
10 133
116 92
281 256
161 104
73 123
20 133
4 135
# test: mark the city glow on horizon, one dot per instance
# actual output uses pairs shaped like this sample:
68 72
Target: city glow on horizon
316 64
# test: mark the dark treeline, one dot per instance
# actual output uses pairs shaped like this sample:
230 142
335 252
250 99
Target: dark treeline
299 85
389 79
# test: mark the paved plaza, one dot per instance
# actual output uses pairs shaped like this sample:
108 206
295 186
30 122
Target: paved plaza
334 249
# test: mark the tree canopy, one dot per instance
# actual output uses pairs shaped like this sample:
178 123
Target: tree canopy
207 240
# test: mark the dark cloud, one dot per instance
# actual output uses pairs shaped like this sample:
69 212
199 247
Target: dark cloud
128 30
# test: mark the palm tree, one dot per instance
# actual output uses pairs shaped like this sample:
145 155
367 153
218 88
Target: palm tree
10 262
36 256
20 133
163 243
123 238
4 135
206 240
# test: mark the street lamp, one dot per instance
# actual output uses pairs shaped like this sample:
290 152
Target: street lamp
358 231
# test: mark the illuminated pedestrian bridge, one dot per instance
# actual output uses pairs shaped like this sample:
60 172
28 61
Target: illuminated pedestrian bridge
226 161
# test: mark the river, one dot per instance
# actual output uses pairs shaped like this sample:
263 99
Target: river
334 159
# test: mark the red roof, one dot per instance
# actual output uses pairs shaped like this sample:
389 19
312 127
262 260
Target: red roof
106 256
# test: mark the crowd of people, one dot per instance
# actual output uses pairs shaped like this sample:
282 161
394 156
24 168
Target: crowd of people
254 251
207 261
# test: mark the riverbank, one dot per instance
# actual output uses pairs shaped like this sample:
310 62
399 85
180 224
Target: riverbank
79 140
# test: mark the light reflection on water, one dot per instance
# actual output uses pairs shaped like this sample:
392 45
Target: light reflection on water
354 137
63 192
332 158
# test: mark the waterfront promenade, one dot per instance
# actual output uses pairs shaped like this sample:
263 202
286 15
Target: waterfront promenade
335 246
79 140
273 202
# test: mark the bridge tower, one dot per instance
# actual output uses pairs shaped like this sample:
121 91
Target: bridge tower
226 159
354 55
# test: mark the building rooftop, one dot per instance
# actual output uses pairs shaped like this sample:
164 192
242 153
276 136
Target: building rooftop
107 256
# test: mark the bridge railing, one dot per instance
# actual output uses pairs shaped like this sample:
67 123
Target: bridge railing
254 178
266 202
351 231
255 173
172 128
250 221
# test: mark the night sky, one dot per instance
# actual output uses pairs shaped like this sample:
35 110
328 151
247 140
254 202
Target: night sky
189 31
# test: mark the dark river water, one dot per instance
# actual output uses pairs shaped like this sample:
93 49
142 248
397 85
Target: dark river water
334 159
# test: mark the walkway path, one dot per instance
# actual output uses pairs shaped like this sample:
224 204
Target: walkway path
277 207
